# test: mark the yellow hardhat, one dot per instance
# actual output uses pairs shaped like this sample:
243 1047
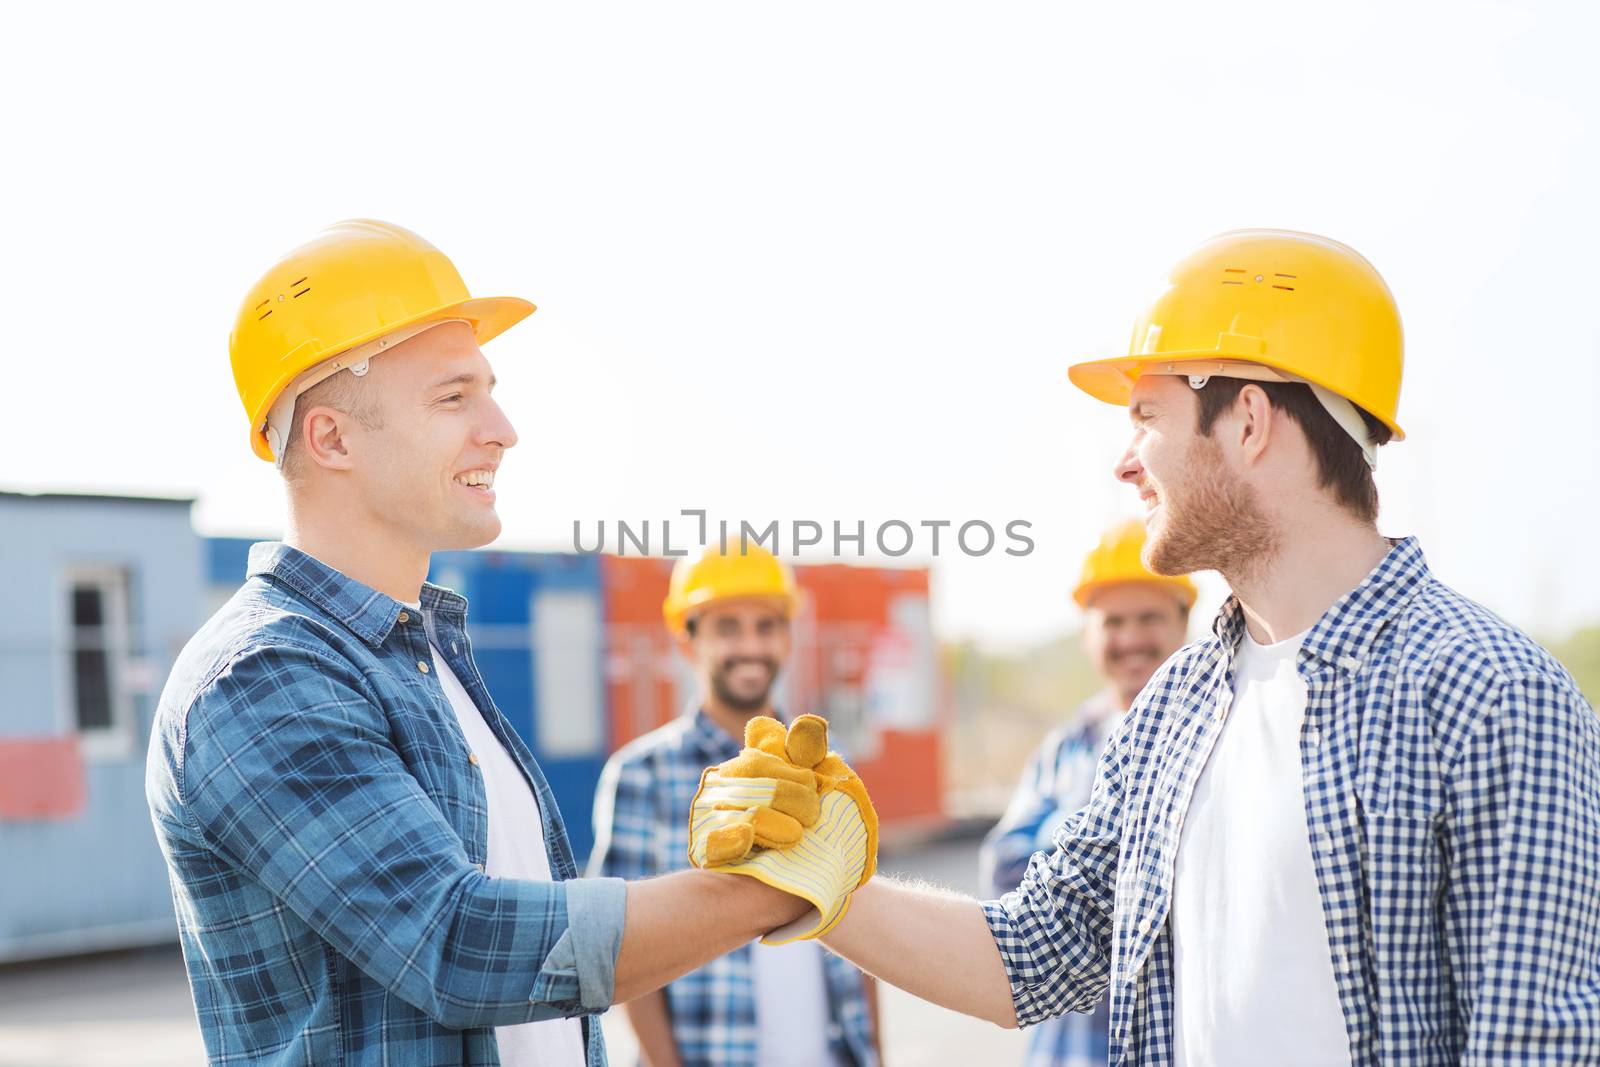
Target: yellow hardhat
355 283
726 572
1117 559
1270 305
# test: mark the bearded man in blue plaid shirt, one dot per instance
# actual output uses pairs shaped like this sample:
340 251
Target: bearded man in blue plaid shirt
758 1006
1357 825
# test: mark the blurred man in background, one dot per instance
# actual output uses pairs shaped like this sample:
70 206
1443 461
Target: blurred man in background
1133 620
794 1004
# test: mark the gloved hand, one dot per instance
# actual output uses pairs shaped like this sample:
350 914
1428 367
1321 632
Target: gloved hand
792 814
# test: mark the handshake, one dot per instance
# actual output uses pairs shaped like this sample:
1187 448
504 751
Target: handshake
790 813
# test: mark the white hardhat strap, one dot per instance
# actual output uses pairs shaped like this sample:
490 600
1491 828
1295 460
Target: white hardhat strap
280 418
1198 372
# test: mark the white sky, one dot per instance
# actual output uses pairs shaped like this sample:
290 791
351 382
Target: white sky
820 261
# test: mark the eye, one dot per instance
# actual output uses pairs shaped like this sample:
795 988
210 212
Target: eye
451 399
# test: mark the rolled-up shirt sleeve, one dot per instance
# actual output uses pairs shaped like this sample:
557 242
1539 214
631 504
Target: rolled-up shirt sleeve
288 772
581 968
1054 930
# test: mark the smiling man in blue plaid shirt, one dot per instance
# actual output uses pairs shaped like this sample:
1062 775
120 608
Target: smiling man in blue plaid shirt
367 864
1358 825
758 1006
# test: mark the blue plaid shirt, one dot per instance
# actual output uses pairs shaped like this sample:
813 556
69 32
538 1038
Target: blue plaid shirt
325 827
1452 795
642 829
1056 782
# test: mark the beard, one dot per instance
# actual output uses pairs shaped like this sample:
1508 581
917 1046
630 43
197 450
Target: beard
1212 522
747 702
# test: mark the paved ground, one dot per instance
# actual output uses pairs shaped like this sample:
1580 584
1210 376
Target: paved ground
133 1009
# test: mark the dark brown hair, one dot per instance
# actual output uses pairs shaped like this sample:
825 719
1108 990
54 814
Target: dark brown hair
1340 465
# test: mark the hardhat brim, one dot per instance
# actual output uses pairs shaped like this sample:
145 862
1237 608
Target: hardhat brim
677 613
488 316
1184 591
1112 380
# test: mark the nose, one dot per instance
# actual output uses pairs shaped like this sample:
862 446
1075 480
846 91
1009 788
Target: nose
497 429
1124 638
1128 468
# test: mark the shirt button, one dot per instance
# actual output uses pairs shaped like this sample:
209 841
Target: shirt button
422 665
472 758
404 617
479 866
1314 735
1144 925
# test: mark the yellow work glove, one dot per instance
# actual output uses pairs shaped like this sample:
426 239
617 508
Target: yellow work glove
790 813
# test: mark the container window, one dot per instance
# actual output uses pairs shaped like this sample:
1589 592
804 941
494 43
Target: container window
569 705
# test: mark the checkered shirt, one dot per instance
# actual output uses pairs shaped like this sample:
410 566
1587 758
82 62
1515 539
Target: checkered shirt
1057 781
642 829
1452 795
325 828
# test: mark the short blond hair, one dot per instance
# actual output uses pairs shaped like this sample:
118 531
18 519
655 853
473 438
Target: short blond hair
342 392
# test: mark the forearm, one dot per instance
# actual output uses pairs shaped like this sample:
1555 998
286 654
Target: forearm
933 944
680 921
653 1026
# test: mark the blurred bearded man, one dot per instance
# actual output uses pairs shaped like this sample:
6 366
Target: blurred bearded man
1133 621
793 1004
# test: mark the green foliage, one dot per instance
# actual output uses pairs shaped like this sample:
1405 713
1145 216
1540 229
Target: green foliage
1580 654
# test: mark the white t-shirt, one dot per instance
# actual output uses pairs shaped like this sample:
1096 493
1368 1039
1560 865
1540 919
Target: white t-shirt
791 1006
1255 983
516 850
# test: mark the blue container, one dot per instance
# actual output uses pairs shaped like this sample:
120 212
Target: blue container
537 624
102 592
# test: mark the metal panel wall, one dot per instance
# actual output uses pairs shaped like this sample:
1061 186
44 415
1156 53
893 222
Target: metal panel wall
545 674
94 878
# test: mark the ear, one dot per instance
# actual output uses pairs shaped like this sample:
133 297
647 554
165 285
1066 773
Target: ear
685 645
324 435
1256 422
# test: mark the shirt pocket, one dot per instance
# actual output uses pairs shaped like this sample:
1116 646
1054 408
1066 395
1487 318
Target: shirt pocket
1404 879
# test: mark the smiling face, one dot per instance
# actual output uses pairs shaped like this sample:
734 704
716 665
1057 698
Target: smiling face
424 467
737 648
1129 630
1199 512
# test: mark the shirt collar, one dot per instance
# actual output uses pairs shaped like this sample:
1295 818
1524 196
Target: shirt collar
367 613
1347 630
712 741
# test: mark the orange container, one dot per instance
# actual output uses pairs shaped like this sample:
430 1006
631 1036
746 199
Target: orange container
645 683
864 657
